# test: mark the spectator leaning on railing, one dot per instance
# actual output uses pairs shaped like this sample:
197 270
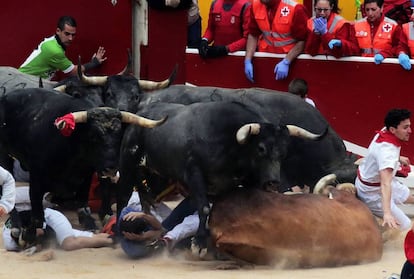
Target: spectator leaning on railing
329 33
406 44
276 26
377 35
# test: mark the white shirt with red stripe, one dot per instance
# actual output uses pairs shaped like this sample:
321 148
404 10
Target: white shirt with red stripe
382 156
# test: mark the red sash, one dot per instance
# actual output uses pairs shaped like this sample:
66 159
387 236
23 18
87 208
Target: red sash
375 184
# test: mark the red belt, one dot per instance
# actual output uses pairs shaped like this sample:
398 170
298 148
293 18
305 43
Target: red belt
376 184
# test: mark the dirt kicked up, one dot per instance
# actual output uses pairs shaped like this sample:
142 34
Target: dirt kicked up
111 263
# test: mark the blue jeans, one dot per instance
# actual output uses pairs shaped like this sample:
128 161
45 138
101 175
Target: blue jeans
185 208
135 249
407 270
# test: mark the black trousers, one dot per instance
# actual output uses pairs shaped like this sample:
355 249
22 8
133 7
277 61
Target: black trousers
407 270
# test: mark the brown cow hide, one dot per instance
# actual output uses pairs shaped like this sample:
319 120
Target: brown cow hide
295 231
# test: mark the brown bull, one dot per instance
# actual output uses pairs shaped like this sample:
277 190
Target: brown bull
295 231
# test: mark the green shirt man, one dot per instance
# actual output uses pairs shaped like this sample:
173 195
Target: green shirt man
46 59
50 56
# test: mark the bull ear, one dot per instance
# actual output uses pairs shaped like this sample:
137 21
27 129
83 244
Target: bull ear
245 131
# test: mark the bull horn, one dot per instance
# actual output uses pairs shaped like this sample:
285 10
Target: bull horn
246 130
60 88
128 67
323 182
93 80
296 131
152 85
128 117
80 116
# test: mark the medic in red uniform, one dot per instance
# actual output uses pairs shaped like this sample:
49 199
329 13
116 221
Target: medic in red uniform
276 26
329 33
377 35
227 28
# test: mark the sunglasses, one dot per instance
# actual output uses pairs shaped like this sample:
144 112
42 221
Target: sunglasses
319 10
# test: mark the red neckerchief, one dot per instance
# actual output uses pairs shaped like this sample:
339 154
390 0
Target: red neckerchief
387 136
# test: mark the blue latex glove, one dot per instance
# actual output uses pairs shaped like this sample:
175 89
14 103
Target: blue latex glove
248 69
320 25
282 69
378 58
412 3
334 43
404 61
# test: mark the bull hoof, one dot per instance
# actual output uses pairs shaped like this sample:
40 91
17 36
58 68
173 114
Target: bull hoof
196 250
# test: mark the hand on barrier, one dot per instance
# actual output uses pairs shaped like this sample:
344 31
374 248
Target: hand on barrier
282 69
378 58
203 48
404 61
334 43
217 51
248 69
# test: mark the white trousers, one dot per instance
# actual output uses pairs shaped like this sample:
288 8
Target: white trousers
54 219
372 197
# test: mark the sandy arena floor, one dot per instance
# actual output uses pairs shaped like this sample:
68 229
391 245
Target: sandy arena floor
112 263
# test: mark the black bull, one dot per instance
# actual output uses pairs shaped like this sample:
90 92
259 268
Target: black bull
306 161
210 148
122 91
57 163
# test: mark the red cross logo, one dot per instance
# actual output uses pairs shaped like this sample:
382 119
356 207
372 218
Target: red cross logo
387 27
285 11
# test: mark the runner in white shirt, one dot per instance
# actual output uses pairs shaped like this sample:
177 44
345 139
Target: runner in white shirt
376 183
